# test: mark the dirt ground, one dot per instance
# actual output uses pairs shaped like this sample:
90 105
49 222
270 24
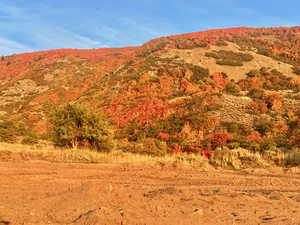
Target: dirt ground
42 193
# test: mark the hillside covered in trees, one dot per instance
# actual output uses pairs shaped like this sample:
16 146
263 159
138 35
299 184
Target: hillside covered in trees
196 92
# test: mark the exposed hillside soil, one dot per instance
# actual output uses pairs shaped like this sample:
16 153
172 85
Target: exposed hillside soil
197 57
39 193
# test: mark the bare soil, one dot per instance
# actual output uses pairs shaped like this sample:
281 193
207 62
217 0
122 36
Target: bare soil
41 193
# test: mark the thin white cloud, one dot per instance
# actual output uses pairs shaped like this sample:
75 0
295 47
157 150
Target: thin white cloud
108 33
36 30
42 25
57 37
140 27
133 32
10 46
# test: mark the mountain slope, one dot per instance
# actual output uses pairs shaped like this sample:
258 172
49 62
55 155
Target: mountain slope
202 90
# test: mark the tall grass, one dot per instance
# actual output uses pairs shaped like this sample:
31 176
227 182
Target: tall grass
242 158
52 154
237 158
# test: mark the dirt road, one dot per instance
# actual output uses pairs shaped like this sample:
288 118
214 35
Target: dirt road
41 193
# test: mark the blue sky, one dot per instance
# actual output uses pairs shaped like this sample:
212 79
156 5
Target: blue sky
30 25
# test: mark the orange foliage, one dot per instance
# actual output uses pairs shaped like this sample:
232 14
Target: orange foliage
280 127
255 136
219 139
258 106
151 105
163 135
220 79
275 100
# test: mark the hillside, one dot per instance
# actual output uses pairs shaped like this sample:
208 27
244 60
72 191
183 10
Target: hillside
195 92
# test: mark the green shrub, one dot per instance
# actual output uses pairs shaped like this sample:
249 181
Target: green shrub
296 70
256 93
221 43
149 146
233 145
30 140
232 88
212 55
293 158
229 58
264 51
282 141
199 73
263 126
235 128
75 126
253 73
254 146
9 131
185 43
202 44
267 144
229 62
271 79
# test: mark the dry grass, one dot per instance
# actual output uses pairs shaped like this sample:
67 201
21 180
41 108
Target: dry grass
233 159
237 159
15 152
242 158
293 158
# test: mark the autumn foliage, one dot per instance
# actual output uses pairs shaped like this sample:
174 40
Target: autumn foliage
160 103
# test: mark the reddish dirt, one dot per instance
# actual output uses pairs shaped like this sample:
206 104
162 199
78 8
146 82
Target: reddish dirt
40 193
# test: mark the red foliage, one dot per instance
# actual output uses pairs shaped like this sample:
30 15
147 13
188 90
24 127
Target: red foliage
255 82
41 126
275 101
33 117
219 139
255 136
258 106
296 81
191 149
163 135
206 153
220 79
151 105
20 66
280 127
150 102
285 36
295 140
177 149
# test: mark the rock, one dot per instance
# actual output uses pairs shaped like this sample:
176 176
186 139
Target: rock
167 190
3 222
268 218
234 214
198 212
121 211
89 218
